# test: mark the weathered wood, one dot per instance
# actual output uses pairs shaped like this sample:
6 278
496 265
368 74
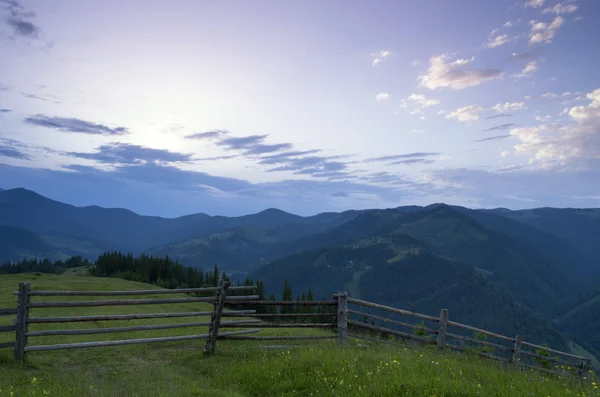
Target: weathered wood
387 320
441 336
249 323
83 345
392 309
585 364
213 329
549 358
22 315
481 342
227 337
8 328
482 354
548 371
553 351
482 331
391 332
93 331
287 303
342 318
135 292
4 345
230 314
8 312
118 317
517 350
129 302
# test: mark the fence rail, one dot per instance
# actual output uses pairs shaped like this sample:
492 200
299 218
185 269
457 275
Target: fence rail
248 315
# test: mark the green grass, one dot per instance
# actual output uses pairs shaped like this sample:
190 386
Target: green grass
238 368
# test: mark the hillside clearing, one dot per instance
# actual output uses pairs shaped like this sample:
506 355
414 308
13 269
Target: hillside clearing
241 369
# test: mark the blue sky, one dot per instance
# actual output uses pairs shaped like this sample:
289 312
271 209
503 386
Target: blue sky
231 107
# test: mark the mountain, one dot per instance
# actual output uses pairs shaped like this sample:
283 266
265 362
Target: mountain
17 244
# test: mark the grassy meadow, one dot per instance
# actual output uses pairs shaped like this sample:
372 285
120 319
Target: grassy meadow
240 368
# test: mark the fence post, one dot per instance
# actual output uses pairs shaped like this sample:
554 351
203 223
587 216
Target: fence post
584 368
517 350
215 317
22 316
342 318
441 337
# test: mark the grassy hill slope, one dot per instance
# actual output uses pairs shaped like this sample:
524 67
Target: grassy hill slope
17 244
239 369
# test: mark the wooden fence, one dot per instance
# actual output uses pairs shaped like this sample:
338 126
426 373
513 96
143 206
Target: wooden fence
341 315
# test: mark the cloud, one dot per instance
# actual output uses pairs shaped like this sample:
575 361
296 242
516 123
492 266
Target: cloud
285 156
124 153
527 71
5 110
498 116
380 56
542 32
31 96
4 87
500 127
412 162
208 134
415 63
548 95
561 8
444 74
382 96
11 148
575 145
74 125
467 113
504 107
423 101
251 144
510 24
493 138
310 165
498 40
399 157
19 21
534 3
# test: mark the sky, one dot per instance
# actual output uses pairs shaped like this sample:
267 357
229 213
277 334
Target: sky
232 107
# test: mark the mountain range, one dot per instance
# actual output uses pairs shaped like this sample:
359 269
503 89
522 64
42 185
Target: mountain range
535 272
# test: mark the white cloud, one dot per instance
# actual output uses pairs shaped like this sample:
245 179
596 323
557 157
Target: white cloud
416 131
442 74
527 97
543 118
578 18
498 40
548 95
415 63
510 24
384 96
576 145
423 101
561 8
507 106
542 32
467 113
534 3
441 111
380 56
528 70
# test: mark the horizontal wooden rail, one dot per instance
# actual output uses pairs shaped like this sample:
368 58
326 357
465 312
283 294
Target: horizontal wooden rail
83 345
8 328
284 303
391 332
553 359
135 292
482 331
228 337
93 331
387 320
481 342
553 351
270 325
128 302
392 309
117 317
8 312
5 345
482 354
235 314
